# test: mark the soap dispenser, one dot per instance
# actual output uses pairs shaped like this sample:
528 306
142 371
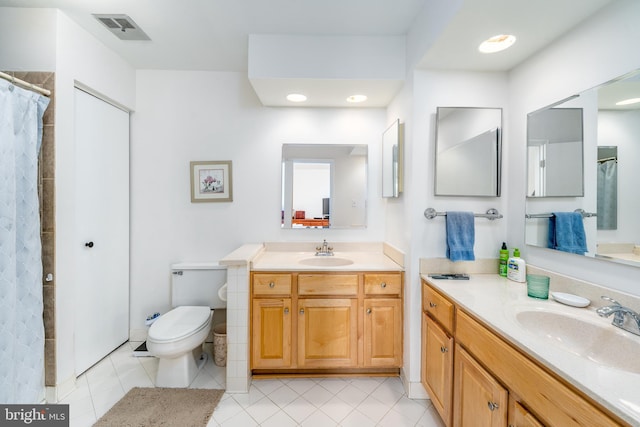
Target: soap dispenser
516 267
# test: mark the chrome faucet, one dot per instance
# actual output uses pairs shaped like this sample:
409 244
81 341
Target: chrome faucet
620 316
324 250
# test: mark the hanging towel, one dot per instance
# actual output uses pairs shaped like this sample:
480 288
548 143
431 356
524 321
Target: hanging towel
566 232
460 236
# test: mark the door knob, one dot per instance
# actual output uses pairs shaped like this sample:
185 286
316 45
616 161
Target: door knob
89 244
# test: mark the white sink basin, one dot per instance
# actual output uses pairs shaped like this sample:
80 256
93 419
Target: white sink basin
599 342
326 261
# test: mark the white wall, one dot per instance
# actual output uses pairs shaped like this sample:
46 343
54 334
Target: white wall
596 51
406 225
79 57
28 39
191 115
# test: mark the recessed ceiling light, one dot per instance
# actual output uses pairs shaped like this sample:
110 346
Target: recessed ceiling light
357 98
629 101
497 43
296 97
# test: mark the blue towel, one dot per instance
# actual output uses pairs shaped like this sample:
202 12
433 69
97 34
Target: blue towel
566 232
460 236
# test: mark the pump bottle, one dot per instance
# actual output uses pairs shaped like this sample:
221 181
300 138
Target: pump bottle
504 259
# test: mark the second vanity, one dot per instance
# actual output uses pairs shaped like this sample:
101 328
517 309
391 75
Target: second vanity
335 314
495 356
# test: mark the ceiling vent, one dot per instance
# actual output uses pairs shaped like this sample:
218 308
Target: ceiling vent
122 26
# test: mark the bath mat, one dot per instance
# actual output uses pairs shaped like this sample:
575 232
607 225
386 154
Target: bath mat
150 407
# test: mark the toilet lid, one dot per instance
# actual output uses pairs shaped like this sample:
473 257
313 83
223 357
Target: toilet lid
179 322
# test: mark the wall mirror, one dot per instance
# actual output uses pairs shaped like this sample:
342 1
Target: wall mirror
392 160
611 169
324 186
468 151
554 152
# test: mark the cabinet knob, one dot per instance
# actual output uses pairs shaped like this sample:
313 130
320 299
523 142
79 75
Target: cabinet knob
302 311
492 406
272 285
432 304
368 311
89 244
383 284
286 310
443 349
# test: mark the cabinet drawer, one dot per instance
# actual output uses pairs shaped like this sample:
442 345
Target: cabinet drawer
437 306
554 403
383 284
328 284
271 284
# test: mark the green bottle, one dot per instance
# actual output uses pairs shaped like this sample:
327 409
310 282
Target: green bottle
504 258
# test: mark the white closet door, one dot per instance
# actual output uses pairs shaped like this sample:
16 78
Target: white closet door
102 229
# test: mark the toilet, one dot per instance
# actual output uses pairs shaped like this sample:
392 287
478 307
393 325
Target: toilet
177 336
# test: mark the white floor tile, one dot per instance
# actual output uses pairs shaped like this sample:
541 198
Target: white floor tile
262 409
299 409
279 419
336 409
361 402
317 395
318 419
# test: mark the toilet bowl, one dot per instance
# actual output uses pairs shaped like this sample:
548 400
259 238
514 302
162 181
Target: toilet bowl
176 339
177 336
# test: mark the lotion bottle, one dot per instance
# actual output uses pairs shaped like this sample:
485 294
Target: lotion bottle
516 267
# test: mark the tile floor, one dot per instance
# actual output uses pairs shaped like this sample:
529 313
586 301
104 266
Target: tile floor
361 402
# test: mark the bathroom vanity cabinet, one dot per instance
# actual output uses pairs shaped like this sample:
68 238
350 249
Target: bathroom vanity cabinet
476 377
326 322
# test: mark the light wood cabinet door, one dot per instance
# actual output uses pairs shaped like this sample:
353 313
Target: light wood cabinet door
327 333
437 367
271 333
519 416
382 332
480 400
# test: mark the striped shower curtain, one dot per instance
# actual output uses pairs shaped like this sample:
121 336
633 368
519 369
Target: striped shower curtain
21 324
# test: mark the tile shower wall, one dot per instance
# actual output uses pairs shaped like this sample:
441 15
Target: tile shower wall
46 193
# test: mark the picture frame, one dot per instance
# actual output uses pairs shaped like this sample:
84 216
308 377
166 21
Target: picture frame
211 181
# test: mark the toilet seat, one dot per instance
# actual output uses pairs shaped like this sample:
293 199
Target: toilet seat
179 323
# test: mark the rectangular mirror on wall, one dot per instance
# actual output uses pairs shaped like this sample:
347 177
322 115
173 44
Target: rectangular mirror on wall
324 186
555 153
468 151
607 121
392 160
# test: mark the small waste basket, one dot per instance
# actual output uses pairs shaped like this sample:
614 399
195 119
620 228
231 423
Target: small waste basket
220 344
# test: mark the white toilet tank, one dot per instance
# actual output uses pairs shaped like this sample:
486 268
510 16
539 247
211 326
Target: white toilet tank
197 284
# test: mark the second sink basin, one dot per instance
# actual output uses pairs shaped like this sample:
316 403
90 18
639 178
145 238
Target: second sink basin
601 343
326 261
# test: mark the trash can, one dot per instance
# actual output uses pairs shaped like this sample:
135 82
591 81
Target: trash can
220 344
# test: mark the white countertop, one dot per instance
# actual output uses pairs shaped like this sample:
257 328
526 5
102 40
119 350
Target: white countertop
290 261
496 300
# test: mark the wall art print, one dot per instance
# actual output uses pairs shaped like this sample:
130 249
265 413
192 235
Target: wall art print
211 181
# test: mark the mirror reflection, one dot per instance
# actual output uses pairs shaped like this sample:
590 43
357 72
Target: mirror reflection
324 186
611 169
468 150
554 152
392 160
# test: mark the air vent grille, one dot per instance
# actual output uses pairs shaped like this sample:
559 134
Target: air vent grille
122 26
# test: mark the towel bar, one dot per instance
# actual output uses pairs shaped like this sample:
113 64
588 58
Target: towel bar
491 214
549 215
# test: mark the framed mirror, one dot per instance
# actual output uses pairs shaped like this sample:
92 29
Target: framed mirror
468 151
324 186
610 165
554 152
392 160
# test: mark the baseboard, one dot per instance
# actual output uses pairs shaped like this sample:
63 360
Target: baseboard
60 391
414 390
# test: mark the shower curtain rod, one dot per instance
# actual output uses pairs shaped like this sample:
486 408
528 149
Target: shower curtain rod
28 85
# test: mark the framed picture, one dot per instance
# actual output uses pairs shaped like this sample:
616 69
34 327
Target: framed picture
211 181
